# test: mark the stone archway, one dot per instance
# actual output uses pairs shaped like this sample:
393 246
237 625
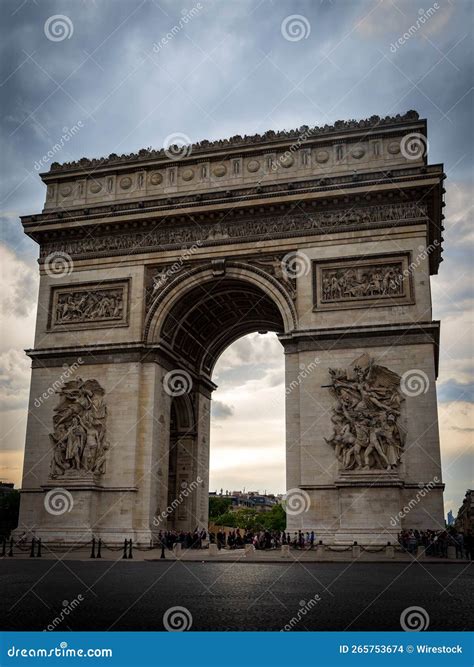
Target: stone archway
193 320
151 266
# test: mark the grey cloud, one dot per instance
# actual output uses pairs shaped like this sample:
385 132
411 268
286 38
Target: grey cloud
451 390
220 410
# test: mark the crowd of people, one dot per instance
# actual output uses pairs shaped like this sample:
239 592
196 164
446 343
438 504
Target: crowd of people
436 542
236 539
262 539
187 539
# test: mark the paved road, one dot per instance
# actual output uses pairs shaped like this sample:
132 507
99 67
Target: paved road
234 596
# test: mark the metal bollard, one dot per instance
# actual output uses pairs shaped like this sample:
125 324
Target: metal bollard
38 553
93 548
99 546
32 552
125 549
10 552
355 550
162 550
130 549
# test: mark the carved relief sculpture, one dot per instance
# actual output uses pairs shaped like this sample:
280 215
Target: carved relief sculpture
366 420
279 268
209 233
357 282
79 438
93 305
362 282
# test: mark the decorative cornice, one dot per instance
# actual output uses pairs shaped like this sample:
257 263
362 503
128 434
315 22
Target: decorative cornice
374 335
172 204
237 141
293 225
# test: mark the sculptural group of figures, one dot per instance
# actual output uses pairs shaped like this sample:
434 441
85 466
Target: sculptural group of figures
360 283
367 431
89 305
174 234
79 442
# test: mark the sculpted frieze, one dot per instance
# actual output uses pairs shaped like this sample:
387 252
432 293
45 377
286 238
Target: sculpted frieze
243 230
356 282
89 306
371 280
367 429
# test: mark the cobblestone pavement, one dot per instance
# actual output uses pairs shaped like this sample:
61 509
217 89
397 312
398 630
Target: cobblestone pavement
134 595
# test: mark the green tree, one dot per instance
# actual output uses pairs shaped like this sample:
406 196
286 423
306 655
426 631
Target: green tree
218 505
249 519
275 519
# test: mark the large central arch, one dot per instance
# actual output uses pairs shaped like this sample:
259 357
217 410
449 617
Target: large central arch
193 320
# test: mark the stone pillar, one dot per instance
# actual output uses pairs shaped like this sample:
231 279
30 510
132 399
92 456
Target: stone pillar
357 500
320 552
285 551
420 552
390 551
250 551
213 550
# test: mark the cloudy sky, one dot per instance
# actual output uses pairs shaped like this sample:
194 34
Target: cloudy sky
229 70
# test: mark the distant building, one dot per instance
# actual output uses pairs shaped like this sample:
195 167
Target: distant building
261 502
465 519
450 518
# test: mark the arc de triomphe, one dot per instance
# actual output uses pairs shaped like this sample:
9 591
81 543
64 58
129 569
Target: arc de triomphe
153 263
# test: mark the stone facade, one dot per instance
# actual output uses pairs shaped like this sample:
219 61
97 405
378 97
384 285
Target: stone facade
151 266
